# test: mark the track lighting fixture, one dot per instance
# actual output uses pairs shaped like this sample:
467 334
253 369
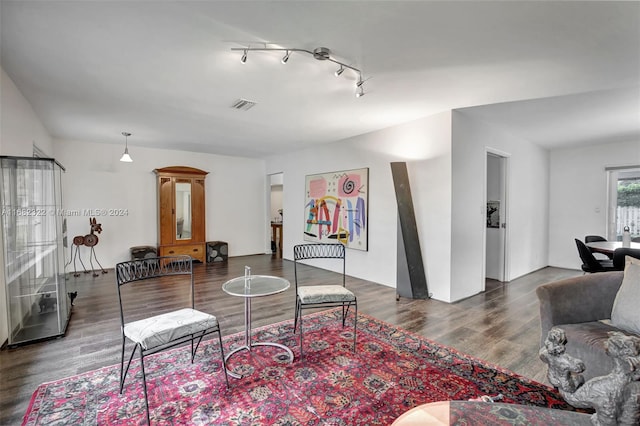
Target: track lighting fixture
320 53
126 158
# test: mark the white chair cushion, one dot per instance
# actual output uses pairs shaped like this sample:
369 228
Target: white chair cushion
324 294
161 329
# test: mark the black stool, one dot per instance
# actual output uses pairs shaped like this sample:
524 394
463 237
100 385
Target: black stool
143 252
217 251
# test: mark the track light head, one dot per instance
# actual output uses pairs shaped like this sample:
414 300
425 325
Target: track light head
359 88
339 71
244 57
285 58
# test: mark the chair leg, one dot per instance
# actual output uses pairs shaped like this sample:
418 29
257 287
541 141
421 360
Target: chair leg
295 316
299 313
122 366
144 383
355 327
126 370
344 314
194 350
224 364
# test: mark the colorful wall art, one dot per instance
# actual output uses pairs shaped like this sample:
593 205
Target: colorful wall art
336 208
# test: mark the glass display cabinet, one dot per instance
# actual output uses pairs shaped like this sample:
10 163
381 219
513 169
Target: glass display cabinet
33 235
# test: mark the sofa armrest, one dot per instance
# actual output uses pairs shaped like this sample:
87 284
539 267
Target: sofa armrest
579 299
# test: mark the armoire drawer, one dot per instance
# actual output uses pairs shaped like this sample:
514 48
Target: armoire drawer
196 251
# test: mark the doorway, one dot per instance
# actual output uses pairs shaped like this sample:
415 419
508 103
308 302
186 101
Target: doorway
496 235
276 213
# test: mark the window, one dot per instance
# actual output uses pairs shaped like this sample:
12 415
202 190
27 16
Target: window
624 202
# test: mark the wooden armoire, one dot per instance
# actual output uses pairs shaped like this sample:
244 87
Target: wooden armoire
181 212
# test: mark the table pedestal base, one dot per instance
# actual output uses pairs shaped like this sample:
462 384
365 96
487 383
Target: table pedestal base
248 348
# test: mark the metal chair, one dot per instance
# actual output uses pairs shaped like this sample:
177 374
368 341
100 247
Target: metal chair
323 295
165 330
589 262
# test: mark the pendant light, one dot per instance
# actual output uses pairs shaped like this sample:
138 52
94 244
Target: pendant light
126 158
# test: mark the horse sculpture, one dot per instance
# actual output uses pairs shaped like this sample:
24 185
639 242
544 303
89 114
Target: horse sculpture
89 240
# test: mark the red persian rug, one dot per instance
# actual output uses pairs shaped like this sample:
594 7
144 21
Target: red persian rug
392 371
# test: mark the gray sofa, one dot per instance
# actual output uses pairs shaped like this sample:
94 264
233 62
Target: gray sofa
581 306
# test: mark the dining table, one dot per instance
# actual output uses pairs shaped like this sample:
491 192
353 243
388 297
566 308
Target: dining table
608 247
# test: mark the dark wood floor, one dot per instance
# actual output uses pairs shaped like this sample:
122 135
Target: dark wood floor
500 325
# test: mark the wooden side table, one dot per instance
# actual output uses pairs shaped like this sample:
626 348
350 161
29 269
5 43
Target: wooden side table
276 234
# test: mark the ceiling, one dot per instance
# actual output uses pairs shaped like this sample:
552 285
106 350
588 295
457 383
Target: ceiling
557 73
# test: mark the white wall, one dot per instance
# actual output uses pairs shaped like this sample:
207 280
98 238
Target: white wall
20 127
424 145
95 179
527 195
578 195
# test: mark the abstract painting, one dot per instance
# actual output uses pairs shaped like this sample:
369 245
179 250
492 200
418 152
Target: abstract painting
336 208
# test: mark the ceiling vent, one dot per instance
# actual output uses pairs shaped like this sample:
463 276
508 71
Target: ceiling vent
243 104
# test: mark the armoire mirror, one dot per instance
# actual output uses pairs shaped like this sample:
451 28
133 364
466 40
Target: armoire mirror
183 209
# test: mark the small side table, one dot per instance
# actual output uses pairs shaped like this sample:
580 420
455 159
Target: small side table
250 287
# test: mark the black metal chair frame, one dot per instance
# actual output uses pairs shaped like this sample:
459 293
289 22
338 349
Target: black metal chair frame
322 251
149 268
589 262
595 238
620 254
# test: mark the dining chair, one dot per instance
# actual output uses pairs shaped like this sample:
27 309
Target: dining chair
596 238
589 263
620 254
137 280
322 295
593 238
